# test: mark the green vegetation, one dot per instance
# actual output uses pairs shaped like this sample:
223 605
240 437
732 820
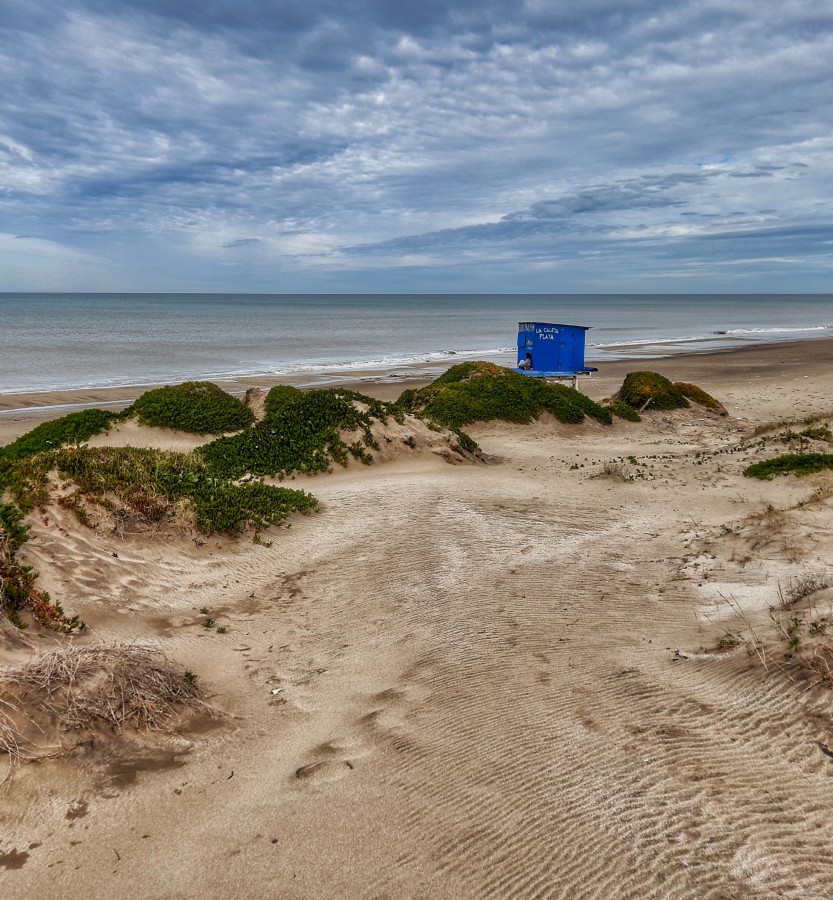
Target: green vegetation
623 411
698 395
13 534
18 592
480 391
790 464
153 485
17 583
802 439
649 390
198 407
727 642
300 433
145 486
814 419
72 429
817 434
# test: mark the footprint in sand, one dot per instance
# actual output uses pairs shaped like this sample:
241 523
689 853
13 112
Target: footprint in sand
329 762
383 723
323 771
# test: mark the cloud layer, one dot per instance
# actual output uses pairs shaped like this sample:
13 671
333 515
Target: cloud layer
373 145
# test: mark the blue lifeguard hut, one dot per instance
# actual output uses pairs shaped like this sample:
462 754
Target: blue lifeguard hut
549 350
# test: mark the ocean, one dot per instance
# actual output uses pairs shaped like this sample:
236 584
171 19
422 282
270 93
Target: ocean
73 341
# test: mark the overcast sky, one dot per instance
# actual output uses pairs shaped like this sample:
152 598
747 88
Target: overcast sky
381 145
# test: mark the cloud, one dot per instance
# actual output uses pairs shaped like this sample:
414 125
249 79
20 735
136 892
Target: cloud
241 242
49 266
344 133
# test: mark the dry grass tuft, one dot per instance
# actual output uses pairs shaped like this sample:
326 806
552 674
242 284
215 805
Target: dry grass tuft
615 471
85 689
818 664
12 741
801 587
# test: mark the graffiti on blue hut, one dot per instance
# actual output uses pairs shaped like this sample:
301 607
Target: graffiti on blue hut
549 350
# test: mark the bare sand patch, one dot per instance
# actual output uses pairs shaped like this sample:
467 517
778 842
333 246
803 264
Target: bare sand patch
131 434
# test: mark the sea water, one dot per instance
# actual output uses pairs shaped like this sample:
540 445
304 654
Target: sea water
70 341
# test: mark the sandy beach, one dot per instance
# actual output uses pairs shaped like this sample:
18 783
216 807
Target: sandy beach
555 673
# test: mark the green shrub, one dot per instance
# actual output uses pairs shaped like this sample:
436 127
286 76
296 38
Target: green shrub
71 429
465 371
698 395
823 433
800 441
790 464
280 396
300 433
13 533
467 444
623 411
650 390
151 482
480 391
198 407
588 406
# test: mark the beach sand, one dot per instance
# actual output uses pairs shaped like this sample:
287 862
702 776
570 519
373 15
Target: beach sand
474 680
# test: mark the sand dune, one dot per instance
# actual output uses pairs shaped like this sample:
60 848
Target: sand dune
496 680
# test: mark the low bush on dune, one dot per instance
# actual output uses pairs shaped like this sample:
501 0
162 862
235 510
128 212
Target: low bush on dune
151 485
790 464
135 486
19 593
71 429
810 421
805 437
698 395
650 390
327 407
623 411
198 407
300 433
822 433
480 391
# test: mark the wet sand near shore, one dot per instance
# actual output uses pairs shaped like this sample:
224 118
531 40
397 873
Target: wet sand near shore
469 680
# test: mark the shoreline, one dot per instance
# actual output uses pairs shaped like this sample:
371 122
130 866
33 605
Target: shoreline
23 411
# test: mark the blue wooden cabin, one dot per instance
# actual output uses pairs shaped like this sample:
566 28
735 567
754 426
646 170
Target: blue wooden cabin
555 351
